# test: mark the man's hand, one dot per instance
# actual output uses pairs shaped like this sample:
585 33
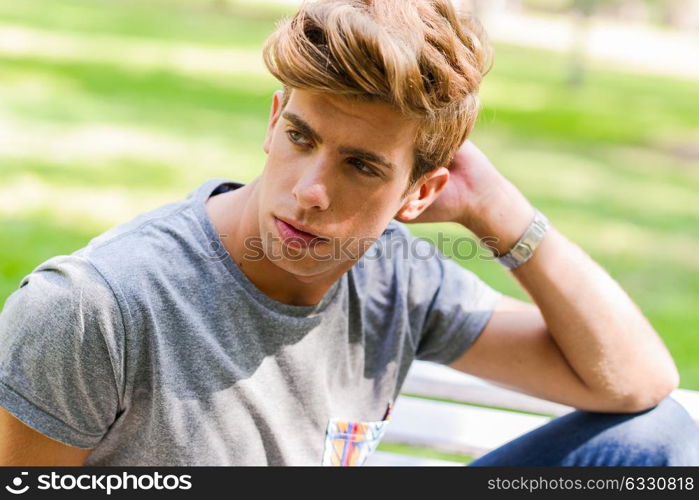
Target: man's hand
481 199
471 180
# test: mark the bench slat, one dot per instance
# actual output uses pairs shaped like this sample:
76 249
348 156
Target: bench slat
690 401
455 428
439 381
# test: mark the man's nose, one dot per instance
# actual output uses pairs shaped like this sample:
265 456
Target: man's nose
311 190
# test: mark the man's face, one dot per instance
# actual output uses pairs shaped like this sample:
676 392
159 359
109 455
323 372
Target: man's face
336 167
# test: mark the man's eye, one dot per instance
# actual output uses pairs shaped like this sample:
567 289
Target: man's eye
296 137
362 167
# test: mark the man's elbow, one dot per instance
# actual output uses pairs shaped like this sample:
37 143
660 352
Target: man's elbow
651 393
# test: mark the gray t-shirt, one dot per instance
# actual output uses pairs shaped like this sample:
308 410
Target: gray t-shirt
151 346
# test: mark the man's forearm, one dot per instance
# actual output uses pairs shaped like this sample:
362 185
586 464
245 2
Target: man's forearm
603 335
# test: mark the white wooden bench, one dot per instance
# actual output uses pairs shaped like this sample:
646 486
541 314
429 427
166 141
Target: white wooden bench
457 428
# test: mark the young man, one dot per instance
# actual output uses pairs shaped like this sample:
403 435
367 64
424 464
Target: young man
274 322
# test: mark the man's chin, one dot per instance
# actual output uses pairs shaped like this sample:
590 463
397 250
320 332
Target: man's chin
291 258
303 274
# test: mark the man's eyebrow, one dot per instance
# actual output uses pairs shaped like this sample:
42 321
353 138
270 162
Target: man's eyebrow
360 153
302 126
365 155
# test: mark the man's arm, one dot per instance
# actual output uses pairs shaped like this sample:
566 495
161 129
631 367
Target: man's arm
585 343
516 351
56 370
21 445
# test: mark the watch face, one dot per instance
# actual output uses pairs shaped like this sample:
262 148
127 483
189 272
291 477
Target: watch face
522 251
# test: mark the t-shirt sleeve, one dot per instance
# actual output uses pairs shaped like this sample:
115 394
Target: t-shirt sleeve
56 371
449 305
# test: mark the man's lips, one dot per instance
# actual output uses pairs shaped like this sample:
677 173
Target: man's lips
294 234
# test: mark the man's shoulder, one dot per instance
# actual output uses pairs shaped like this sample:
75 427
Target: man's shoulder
119 259
62 296
65 278
153 243
123 236
162 236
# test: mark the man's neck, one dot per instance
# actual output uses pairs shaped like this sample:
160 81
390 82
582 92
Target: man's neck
234 215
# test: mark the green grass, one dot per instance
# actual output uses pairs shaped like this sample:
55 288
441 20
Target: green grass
212 22
103 115
422 452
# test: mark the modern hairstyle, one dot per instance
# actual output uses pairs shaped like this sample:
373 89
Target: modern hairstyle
424 57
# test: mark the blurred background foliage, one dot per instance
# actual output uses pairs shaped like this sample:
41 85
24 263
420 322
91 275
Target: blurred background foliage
112 108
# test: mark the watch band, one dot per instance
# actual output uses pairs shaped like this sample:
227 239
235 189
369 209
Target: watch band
522 251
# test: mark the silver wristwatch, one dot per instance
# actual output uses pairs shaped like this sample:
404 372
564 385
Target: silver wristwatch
524 248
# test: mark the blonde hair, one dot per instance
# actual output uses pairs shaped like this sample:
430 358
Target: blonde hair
422 56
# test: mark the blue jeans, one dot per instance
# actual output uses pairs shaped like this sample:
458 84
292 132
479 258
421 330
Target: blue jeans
662 435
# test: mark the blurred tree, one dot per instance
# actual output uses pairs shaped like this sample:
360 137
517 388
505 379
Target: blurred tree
582 11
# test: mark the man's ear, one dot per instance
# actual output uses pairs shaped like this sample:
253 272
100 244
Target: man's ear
423 194
273 118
